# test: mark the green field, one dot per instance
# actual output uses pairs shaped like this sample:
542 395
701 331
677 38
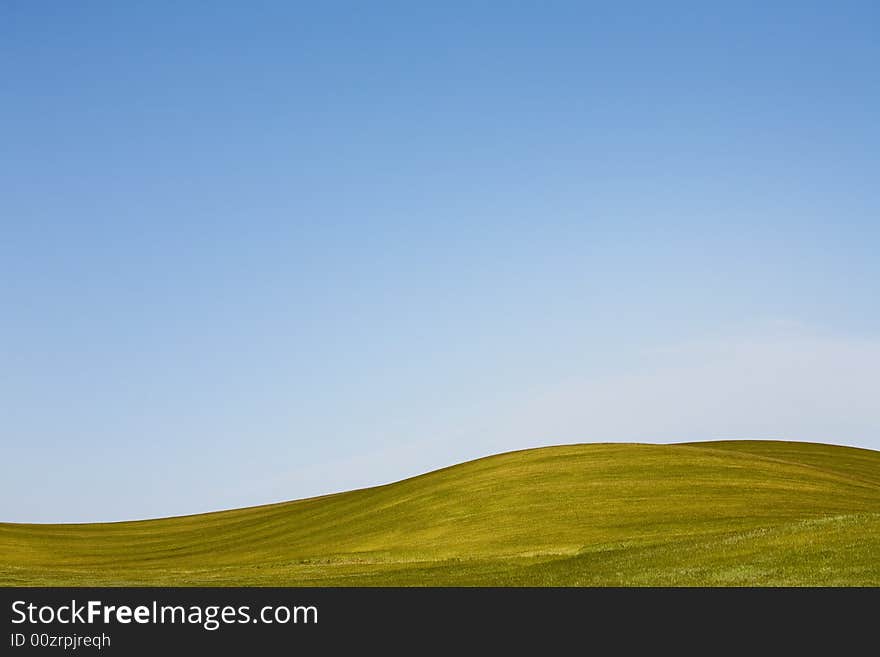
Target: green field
720 513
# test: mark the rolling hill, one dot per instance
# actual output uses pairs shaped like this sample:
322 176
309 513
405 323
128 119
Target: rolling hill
712 513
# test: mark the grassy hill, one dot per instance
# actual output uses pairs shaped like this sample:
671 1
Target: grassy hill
721 513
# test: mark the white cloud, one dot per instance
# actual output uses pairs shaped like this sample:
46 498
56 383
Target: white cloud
797 388
787 385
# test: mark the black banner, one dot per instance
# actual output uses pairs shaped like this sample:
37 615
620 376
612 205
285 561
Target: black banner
241 621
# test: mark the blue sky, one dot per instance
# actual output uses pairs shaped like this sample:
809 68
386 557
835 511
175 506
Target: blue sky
253 252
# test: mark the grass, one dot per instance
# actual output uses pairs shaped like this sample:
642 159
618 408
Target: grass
763 513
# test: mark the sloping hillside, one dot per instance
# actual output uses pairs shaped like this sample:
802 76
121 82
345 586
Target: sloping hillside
727 513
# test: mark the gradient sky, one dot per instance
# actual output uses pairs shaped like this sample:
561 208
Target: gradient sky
258 251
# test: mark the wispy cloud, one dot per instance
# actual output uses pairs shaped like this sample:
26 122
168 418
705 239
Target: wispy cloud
795 387
783 383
